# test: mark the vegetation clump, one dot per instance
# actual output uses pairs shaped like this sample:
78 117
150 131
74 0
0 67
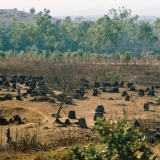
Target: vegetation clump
158 100
118 141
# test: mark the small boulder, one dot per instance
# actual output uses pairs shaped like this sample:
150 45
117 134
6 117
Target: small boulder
7 96
6 83
140 92
129 84
14 85
52 101
72 114
82 123
99 108
121 84
132 88
17 119
127 98
146 106
124 93
152 88
46 127
3 121
67 122
18 97
137 123
115 89
150 93
68 100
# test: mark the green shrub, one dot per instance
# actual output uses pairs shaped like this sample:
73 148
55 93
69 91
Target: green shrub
120 141
158 100
88 152
2 54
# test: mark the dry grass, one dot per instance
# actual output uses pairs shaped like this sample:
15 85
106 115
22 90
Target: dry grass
38 114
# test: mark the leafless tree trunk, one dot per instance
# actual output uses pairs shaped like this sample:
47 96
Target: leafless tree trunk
58 112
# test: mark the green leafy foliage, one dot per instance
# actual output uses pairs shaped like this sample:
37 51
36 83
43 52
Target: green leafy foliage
158 100
2 54
127 56
120 142
88 152
117 31
114 76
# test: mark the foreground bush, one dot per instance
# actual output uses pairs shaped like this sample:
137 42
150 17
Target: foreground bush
119 142
158 100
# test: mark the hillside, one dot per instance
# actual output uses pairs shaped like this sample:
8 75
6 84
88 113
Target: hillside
26 17
22 16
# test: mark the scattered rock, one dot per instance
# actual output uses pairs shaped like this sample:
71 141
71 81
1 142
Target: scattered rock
3 121
51 101
67 122
72 114
99 108
127 98
82 123
146 106
45 127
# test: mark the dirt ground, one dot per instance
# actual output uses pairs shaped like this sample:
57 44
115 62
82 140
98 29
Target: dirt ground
38 115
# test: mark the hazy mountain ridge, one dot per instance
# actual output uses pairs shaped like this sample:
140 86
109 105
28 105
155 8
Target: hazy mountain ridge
94 18
145 11
141 10
22 16
91 14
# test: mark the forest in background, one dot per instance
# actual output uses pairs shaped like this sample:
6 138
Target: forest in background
114 35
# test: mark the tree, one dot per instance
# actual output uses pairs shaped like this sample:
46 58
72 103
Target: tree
58 56
14 35
127 56
127 39
83 34
1 35
158 57
32 10
145 34
46 30
2 55
80 54
109 30
64 76
68 56
117 20
32 34
100 33
68 32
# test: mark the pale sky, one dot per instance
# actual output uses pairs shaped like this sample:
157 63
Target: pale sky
59 7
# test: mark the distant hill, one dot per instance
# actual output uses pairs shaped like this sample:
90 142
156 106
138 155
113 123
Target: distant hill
94 18
150 19
145 12
22 16
26 17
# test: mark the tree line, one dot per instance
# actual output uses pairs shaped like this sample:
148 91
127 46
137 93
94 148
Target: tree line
114 35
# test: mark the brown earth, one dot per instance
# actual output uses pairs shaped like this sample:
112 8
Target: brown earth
38 115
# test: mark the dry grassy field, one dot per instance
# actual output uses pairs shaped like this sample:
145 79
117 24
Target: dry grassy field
37 116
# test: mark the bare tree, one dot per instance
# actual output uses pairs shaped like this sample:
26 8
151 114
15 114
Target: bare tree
66 79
